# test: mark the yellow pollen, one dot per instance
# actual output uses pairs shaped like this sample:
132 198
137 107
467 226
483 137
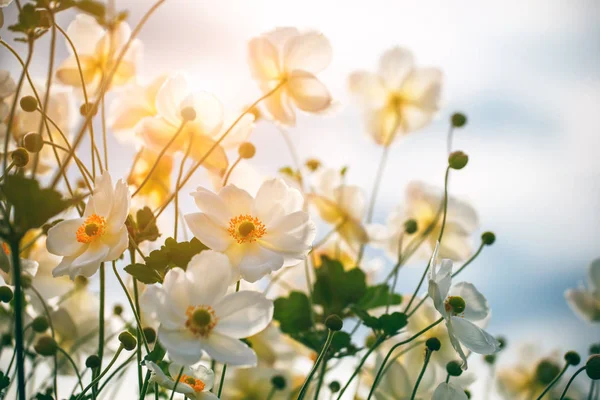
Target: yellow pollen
246 229
201 320
196 384
93 227
6 249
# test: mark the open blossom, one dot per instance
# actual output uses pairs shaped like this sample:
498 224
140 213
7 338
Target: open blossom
98 49
7 88
197 315
194 382
99 235
585 302
400 98
449 391
423 204
341 205
289 60
462 306
259 234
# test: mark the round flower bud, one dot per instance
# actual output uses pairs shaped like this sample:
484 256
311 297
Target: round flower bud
313 164
278 382
433 344
246 150
546 371
150 334
45 346
502 341
411 226
28 103
127 341
6 339
20 157
592 367
458 120
457 304
33 142
595 348
6 294
458 160
488 238
334 323
88 109
118 309
188 114
92 361
572 358
335 387
454 369
26 281
40 324
489 358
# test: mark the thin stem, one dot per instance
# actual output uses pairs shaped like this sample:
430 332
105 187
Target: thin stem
145 386
564 393
179 175
222 380
321 357
231 170
360 364
73 364
321 378
116 371
176 383
138 331
18 305
100 325
97 379
427 357
554 381
271 393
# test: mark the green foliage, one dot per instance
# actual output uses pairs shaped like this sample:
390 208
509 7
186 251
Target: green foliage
32 205
157 354
341 344
143 273
4 381
387 324
336 289
143 227
378 296
293 313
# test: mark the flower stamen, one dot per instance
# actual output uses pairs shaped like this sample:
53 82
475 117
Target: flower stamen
246 229
195 384
201 320
93 228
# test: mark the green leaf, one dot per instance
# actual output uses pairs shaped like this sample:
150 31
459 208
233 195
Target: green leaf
341 344
144 227
392 323
174 254
368 320
336 289
377 296
4 381
143 273
157 354
95 8
293 313
32 205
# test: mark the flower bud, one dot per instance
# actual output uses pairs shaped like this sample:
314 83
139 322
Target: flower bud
88 109
118 309
40 324
45 346
501 341
127 341
334 323
188 114
458 160
467 393
411 226
6 294
26 281
595 348
592 367
246 150
572 358
28 103
20 157
335 387
313 164
278 382
150 334
433 344
490 358
488 238
458 120
370 341
546 371
454 369
33 142
92 361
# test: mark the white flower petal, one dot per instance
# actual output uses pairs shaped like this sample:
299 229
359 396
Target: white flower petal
477 307
243 314
103 195
182 347
117 243
170 97
423 88
584 304
89 261
394 66
85 33
237 200
473 337
263 59
278 106
209 112
291 235
120 207
208 231
310 52
228 350
62 238
308 93
275 192
213 205
157 304
447 391
257 262
208 274
369 89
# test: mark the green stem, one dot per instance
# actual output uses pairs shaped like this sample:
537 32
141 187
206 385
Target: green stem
271 393
100 325
138 331
176 383
222 380
554 381
427 357
52 332
116 371
18 304
73 364
360 364
97 379
321 357
321 378
564 393
145 386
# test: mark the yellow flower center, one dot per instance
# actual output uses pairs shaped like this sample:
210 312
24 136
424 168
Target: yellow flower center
201 320
196 384
246 229
93 227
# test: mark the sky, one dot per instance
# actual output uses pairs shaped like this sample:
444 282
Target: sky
527 75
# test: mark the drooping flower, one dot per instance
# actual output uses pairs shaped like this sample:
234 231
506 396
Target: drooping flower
400 98
449 391
289 60
99 235
343 206
462 306
194 382
98 49
424 204
585 302
197 315
259 234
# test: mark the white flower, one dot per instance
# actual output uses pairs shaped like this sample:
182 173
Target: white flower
260 234
585 302
461 305
7 88
290 59
400 98
197 315
448 391
400 377
100 235
342 206
423 203
255 383
98 49
194 382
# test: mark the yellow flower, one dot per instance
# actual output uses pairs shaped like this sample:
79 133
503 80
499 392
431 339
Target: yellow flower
158 186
